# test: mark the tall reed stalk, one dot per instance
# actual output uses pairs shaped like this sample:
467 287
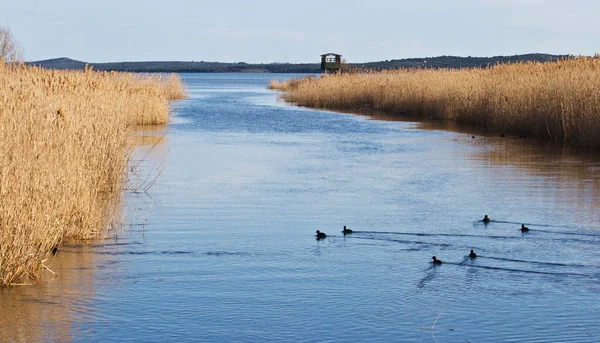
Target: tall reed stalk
558 101
63 152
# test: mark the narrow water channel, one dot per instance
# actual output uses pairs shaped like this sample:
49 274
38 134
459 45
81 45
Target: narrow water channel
228 251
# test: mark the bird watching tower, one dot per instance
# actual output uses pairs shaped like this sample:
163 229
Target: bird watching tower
331 63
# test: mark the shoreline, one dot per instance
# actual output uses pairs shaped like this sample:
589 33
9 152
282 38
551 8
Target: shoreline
65 155
285 68
553 101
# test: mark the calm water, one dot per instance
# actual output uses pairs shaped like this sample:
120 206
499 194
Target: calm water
228 253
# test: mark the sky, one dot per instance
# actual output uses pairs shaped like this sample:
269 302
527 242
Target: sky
266 31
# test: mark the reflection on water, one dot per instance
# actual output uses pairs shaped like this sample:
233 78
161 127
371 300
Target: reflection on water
556 163
48 312
147 162
64 297
241 182
151 135
553 170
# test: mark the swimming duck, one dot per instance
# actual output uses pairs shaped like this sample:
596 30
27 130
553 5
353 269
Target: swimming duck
436 261
524 228
472 254
346 231
486 219
321 235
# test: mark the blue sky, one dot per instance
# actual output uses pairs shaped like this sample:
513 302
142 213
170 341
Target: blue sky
298 31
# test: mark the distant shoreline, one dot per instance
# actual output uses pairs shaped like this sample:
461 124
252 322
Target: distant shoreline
453 62
555 101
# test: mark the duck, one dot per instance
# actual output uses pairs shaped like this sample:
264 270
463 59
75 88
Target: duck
436 261
486 219
524 228
472 254
346 231
321 235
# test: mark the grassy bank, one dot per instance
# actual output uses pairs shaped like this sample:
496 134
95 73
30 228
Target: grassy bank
558 101
63 139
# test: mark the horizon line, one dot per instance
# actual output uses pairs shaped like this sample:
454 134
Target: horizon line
316 62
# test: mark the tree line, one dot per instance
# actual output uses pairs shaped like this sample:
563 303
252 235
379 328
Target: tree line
10 51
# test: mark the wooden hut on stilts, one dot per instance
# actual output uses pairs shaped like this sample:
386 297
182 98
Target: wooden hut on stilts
331 63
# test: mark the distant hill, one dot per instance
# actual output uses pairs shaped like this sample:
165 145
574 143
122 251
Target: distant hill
59 63
241 67
456 62
181 66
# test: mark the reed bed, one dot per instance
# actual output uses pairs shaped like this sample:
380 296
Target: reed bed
287 85
558 101
63 153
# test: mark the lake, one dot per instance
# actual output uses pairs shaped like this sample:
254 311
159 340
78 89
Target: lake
224 202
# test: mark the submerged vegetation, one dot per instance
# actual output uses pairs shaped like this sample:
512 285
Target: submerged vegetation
557 101
64 151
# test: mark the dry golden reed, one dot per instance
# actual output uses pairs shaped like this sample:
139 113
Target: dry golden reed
558 101
63 152
288 85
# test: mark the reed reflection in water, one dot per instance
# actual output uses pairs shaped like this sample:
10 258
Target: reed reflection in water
48 312
549 171
65 297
